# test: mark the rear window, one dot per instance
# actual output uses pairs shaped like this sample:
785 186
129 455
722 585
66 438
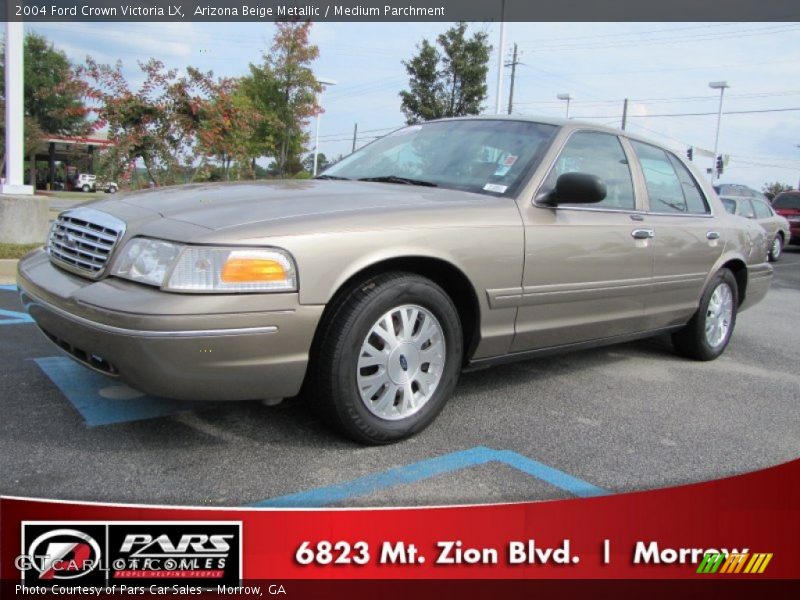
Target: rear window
791 201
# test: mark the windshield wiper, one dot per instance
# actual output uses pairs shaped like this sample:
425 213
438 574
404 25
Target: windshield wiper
332 177
398 179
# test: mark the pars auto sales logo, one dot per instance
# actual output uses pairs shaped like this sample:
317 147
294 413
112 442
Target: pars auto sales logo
201 553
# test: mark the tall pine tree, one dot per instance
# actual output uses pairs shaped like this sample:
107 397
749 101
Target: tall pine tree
448 81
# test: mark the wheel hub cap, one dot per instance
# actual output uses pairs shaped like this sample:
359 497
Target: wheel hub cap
401 362
719 315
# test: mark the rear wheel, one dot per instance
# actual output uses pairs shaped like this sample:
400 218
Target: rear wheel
706 336
388 359
86 188
776 249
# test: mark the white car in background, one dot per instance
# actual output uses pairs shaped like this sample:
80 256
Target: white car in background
86 182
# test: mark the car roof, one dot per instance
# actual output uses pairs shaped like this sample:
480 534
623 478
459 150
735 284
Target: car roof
558 122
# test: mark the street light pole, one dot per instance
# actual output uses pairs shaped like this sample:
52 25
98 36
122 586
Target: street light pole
566 97
319 116
499 92
717 85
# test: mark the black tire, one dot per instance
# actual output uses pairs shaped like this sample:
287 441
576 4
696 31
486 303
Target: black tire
333 371
112 190
692 341
86 188
776 248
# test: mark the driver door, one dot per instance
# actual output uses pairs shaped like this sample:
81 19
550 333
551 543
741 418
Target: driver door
588 268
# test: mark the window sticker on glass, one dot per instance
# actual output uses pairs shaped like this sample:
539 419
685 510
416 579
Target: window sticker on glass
505 165
494 187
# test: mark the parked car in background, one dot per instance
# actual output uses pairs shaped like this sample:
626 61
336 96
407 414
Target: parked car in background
787 204
738 190
85 182
458 243
754 208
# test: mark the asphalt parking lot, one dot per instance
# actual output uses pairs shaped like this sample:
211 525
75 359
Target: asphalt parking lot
622 418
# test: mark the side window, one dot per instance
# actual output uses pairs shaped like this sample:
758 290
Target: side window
695 201
730 205
663 186
762 210
745 209
598 154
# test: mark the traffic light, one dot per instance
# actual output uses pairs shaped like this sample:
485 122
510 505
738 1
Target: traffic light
719 165
690 153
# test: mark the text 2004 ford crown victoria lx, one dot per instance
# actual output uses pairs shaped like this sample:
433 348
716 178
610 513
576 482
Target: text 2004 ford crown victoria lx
454 243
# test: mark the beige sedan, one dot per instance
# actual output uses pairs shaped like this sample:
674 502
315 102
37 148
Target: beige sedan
777 227
453 244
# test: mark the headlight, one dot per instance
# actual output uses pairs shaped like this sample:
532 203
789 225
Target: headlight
179 268
146 261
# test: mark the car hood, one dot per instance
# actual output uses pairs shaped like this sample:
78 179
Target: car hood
221 206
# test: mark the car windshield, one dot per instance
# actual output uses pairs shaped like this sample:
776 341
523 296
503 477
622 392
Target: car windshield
483 155
791 201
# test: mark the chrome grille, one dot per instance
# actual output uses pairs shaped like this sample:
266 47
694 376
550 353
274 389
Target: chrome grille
82 240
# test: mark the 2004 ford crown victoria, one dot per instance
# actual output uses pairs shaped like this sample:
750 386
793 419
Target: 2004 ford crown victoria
456 243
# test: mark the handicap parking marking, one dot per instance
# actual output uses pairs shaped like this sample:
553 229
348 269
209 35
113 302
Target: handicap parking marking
432 467
104 401
11 317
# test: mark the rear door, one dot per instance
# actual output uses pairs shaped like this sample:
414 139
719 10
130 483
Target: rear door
688 240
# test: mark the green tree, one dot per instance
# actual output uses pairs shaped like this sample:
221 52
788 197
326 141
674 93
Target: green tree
771 190
449 82
322 162
285 90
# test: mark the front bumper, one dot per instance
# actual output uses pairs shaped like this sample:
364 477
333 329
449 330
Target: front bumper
184 346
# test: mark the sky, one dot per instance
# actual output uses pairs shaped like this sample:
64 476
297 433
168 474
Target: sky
662 68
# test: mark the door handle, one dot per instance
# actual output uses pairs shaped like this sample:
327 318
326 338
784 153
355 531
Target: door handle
712 235
643 234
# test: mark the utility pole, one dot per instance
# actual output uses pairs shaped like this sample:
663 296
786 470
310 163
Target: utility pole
624 114
513 64
355 136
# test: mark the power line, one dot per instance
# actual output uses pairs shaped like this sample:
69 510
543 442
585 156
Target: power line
702 114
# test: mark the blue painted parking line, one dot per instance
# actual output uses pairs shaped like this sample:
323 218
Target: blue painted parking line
431 468
103 401
11 317
8 288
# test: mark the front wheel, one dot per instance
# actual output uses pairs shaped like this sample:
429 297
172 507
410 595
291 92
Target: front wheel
86 188
776 249
706 336
388 359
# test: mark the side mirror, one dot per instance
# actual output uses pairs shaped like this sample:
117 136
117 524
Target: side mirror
575 188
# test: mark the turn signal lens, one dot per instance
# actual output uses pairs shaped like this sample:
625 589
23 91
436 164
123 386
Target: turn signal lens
242 270
220 270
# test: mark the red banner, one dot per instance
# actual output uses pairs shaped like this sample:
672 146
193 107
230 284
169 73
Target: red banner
749 526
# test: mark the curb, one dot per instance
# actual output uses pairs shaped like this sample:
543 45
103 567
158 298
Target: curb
8 270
